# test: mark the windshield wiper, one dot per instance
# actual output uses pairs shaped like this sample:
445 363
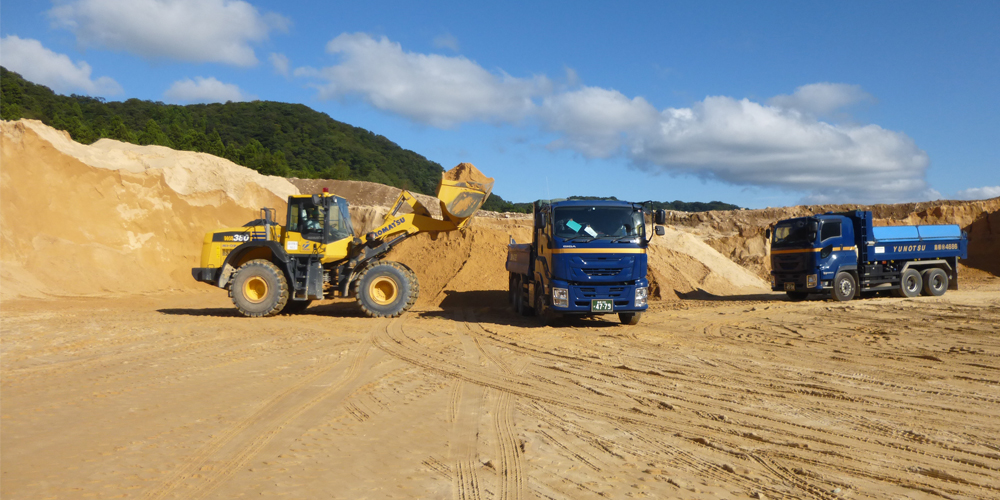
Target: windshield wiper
616 240
584 240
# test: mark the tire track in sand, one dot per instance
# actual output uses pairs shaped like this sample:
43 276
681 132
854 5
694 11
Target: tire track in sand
238 444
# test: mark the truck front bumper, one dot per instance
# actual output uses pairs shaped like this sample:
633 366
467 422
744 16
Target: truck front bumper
808 283
580 297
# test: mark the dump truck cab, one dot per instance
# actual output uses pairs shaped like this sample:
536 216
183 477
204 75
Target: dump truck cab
585 258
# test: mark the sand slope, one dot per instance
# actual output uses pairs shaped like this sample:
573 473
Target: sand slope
113 218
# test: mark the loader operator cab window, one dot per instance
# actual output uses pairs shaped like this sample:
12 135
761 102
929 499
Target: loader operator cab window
326 222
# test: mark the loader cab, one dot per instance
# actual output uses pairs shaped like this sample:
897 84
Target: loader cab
321 218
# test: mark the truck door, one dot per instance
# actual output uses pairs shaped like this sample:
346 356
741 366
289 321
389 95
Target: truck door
837 250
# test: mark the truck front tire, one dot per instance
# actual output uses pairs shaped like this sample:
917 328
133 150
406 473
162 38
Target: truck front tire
935 282
259 289
386 289
631 318
910 284
845 287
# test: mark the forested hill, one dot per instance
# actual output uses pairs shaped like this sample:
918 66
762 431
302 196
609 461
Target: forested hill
274 138
290 140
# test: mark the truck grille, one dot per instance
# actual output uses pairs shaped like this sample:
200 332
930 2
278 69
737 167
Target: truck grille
601 271
604 292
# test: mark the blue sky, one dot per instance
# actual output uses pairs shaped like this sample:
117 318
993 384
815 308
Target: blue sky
757 104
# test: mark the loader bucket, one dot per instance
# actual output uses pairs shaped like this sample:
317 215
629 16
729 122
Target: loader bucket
462 191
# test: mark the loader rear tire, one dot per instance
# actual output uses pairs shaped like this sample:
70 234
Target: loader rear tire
387 289
260 289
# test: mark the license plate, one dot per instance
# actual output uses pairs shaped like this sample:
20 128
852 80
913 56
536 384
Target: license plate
790 287
602 305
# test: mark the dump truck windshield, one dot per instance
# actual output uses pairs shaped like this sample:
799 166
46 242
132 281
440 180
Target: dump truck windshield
598 223
795 233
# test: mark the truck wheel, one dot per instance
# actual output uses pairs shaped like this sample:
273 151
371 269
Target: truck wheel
909 284
295 306
259 289
844 287
513 288
523 308
386 289
796 296
631 318
935 282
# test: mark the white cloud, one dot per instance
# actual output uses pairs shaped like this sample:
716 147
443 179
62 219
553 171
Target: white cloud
821 98
781 144
42 66
280 63
980 193
204 90
446 41
187 30
438 90
595 120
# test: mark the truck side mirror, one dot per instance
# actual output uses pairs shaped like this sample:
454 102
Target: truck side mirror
767 233
659 230
660 216
540 221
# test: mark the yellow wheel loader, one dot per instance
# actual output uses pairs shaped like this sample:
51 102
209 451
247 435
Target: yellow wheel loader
271 269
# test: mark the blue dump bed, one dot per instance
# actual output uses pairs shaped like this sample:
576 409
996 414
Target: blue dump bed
916 242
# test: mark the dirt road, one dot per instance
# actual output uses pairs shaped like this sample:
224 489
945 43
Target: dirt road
753 397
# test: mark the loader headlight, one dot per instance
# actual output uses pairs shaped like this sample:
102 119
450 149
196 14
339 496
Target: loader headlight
560 297
811 281
640 296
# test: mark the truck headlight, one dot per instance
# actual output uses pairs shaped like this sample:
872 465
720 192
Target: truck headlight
560 297
640 296
811 281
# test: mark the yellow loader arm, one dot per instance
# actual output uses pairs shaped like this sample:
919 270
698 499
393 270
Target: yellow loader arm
462 191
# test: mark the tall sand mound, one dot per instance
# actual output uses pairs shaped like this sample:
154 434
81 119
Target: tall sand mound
362 193
113 218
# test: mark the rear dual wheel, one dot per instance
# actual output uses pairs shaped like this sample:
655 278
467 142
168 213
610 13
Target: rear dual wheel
910 284
935 282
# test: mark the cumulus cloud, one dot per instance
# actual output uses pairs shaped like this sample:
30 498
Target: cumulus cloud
821 98
747 143
187 30
280 63
437 90
980 193
204 90
56 71
446 41
781 143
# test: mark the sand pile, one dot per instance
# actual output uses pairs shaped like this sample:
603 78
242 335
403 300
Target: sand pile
113 218
739 234
364 194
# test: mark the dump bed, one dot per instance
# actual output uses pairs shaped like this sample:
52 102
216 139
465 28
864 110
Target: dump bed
917 242
519 258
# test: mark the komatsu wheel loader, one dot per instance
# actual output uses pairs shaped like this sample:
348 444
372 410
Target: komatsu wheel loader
271 269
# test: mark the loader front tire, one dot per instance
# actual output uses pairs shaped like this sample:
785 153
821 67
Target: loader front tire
386 289
260 289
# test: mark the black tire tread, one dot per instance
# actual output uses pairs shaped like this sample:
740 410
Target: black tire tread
282 289
414 288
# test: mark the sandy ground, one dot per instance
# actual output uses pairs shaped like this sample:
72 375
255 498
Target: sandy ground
174 396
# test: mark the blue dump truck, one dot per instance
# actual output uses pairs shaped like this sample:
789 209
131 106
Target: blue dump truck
584 258
843 254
